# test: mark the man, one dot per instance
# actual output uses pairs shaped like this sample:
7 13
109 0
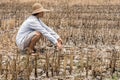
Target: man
33 28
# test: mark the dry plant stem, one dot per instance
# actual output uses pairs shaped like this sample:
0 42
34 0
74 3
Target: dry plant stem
52 67
14 70
0 63
113 61
53 64
87 65
56 59
58 63
47 65
71 62
6 73
36 57
18 64
65 64
28 66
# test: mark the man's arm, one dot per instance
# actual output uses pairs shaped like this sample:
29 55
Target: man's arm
36 26
52 32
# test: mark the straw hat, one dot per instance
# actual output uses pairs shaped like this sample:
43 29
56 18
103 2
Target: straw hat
37 8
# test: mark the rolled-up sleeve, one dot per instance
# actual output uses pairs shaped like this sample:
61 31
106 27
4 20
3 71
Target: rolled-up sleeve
36 26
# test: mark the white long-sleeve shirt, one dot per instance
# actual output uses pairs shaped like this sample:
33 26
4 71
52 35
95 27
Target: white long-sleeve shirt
35 24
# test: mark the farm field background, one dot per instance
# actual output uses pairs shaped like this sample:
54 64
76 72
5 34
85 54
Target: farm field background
90 30
87 2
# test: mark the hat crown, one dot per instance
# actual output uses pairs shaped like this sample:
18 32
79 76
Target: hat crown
37 6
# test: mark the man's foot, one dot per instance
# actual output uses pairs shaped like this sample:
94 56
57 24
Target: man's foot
23 52
34 51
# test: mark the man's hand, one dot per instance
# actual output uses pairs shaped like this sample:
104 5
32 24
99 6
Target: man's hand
59 45
60 41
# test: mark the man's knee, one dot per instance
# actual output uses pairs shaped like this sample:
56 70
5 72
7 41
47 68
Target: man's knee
38 34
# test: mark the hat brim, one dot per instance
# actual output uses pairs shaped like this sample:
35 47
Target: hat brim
40 10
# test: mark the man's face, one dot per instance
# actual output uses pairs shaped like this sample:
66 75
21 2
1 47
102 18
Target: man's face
41 14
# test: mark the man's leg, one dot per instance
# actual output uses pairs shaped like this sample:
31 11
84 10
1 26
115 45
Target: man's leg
34 40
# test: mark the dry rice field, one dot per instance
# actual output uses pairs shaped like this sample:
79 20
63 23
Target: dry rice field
90 30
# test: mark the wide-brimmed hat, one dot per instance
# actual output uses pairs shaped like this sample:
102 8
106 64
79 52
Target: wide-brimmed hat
37 8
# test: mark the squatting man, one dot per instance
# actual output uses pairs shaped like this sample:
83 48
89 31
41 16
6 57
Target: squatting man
33 28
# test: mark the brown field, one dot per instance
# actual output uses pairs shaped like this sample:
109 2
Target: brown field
72 2
90 30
